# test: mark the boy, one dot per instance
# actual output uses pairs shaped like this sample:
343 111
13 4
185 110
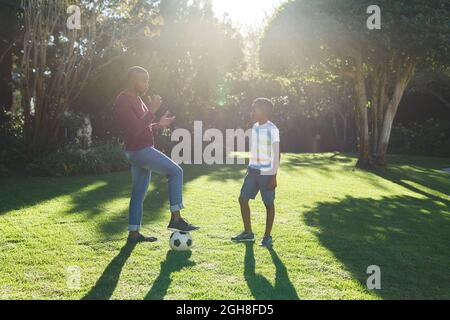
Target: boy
262 170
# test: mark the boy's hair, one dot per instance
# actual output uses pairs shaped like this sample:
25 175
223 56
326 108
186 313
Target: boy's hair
265 103
135 70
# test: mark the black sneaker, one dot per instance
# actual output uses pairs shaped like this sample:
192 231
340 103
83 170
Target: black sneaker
266 242
244 236
141 238
181 225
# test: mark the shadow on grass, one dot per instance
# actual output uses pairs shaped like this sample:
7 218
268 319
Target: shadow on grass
321 161
157 199
227 172
259 286
415 178
175 261
154 203
19 193
91 201
407 237
106 284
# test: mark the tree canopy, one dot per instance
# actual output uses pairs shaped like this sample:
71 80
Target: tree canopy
307 36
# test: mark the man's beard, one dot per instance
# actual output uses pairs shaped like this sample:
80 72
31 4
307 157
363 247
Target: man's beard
140 92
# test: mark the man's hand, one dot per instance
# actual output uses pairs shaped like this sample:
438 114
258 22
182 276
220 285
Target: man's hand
165 120
272 184
155 103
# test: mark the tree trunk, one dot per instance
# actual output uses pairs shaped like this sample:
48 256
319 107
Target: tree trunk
6 92
344 138
364 160
401 82
375 99
8 27
336 131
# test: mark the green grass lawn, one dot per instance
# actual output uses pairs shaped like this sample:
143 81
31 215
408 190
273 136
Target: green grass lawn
332 223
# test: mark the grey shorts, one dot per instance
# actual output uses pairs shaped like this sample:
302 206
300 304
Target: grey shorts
255 182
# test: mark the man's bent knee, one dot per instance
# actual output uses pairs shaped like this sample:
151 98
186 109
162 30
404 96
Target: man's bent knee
176 171
179 171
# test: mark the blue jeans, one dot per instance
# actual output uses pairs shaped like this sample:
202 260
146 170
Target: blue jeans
143 163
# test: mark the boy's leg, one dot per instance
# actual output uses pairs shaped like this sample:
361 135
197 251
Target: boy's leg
268 197
247 234
245 213
270 211
248 191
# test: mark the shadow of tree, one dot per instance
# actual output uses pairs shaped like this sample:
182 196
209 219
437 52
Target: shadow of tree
155 200
259 286
91 201
92 198
19 193
415 177
407 237
227 172
106 284
175 261
320 161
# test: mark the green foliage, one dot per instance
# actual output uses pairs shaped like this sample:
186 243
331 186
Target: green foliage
193 58
12 150
307 36
430 138
193 61
69 161
197 63
313 32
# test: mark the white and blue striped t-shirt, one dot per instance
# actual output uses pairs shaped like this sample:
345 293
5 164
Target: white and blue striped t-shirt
261 145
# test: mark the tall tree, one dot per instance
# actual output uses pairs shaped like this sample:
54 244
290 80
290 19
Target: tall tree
333 35
9 30
58 61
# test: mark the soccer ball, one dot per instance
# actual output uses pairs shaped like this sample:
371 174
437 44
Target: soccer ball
180 241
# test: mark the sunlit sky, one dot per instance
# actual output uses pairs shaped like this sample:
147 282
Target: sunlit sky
245 13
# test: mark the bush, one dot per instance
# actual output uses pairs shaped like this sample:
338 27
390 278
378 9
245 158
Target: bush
12 149
71 161
4 171
431 138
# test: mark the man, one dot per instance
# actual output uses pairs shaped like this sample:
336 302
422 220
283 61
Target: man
135 121
262 170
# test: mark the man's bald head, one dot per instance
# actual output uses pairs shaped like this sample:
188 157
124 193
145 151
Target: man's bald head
138 79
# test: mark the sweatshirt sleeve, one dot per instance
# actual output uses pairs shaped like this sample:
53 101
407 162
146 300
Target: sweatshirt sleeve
156 126
128 122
